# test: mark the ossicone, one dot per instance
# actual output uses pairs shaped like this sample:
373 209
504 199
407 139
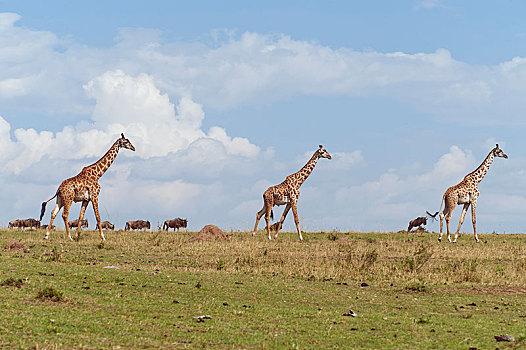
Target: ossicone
321 146
122 134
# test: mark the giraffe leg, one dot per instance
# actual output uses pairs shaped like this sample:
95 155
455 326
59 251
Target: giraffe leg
441 226
95 203
462 216
53 215
81 216
283 216
258 216
296 220
65 214
474 220
267 219
448 219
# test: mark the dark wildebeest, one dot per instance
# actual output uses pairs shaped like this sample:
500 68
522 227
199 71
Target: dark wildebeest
75 223
15 223
137 225
418 222
175 224
29 223
274 227
51 228
107 225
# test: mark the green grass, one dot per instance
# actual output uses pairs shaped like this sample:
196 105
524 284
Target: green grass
261 294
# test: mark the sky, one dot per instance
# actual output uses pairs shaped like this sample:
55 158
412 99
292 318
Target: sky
224 99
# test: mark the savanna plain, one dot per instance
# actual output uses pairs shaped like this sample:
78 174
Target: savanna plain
156 289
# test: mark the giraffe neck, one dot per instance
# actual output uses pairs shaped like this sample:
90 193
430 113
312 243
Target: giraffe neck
478 174
299 177
104 163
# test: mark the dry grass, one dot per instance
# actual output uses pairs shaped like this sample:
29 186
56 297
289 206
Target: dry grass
143 290
394 258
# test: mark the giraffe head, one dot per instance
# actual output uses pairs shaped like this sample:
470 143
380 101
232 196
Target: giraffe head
497 152
322 153
123 142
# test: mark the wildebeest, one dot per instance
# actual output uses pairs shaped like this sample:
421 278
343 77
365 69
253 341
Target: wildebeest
29 223
75 223
274 227
175 224
107 225
14 224
418 222
137 225
51 228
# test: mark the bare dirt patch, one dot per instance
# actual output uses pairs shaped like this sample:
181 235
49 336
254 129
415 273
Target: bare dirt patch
209 233
16 246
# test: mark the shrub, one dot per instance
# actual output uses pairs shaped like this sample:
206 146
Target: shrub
50 293
12 282
417 287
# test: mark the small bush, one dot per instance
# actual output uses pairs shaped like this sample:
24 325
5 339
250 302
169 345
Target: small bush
56 254
417 287
50 293
220 265
332 237
362 261
12 282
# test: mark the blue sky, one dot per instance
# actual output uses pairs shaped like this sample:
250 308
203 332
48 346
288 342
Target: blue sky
223 99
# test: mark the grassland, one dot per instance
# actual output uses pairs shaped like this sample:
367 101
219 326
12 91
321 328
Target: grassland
144 290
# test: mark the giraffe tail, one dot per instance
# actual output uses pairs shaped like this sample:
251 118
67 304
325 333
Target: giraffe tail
43 210
271 214
433 216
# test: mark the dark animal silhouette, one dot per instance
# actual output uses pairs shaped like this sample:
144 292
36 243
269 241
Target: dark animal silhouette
418 222
107 225
15 223
175 224
137 225
274 227
29 223
75 223
51 228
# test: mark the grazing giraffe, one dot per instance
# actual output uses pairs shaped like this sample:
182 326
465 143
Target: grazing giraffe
84 188
466 193
288 193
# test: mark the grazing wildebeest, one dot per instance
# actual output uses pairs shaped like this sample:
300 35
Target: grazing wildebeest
137 225
29 223
418 222
466 193
175 224
46 226
274 227
107 225
85 188
75 223
15 223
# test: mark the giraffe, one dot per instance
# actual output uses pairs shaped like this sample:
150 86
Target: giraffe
84 188
288 193
466 193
